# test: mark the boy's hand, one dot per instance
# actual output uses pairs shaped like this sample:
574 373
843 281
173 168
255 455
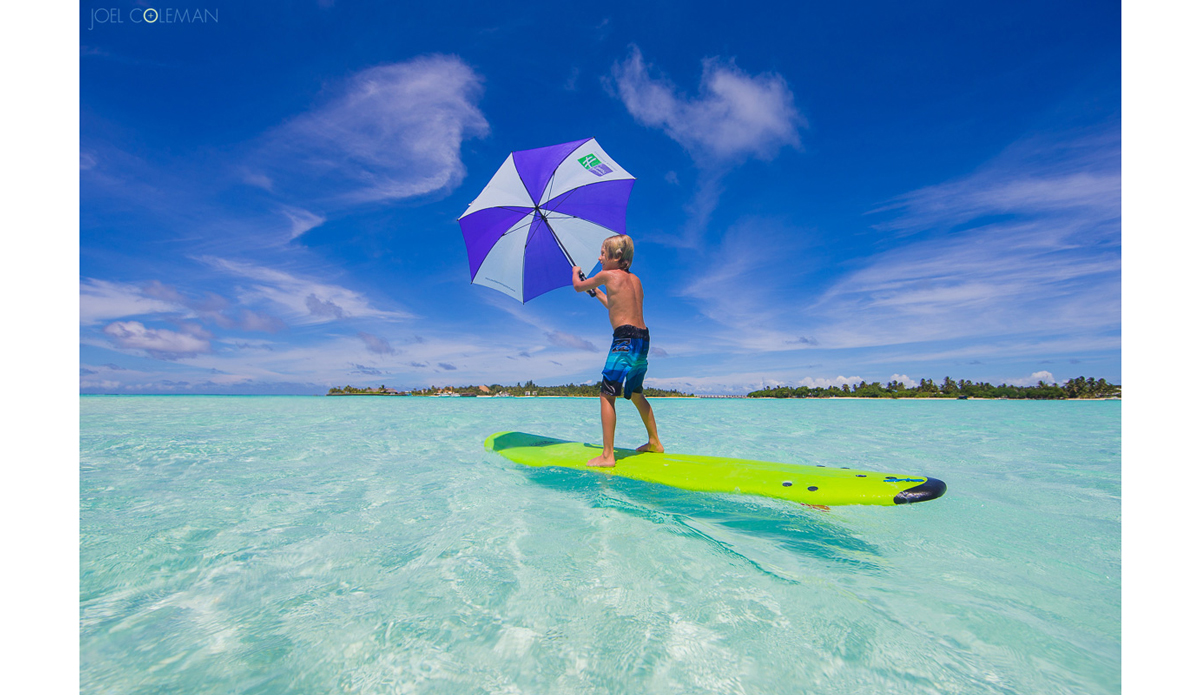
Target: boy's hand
576 277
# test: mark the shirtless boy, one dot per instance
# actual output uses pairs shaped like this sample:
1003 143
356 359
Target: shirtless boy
622 294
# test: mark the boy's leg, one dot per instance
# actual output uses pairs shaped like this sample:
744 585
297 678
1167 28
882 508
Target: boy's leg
647 413
608 421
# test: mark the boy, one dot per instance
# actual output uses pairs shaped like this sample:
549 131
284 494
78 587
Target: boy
622 294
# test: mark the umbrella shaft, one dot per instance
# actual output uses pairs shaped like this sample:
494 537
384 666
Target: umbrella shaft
591 293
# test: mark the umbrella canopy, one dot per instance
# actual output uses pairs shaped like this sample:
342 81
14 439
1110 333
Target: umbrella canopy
544 211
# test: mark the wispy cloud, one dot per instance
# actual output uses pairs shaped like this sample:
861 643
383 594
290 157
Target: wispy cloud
567 340
248 320
303 300
376 344
302 220
1030 243
1057 176
572 83
993 280
389 132
998 254
100 300
755 264
736 116
157 342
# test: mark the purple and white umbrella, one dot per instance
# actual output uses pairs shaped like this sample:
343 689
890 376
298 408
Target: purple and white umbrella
544 211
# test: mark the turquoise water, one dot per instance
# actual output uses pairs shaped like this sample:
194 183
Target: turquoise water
371 545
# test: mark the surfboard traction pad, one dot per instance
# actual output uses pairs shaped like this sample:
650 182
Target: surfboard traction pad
816 486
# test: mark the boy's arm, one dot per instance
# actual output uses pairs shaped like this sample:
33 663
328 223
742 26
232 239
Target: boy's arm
589 284
602 296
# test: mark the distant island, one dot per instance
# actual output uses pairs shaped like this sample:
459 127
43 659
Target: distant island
498 391
928 388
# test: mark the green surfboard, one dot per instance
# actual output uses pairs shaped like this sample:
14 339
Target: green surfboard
818 486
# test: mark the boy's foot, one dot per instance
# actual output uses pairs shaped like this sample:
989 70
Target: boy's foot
601 462
653 447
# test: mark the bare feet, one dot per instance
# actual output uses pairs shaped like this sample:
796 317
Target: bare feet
653 446
601 462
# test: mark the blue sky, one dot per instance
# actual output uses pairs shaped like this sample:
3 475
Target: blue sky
268 201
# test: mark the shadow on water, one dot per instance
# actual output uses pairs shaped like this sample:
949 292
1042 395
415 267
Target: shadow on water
759 531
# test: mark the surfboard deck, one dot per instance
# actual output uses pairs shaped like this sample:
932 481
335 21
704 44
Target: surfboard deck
810 485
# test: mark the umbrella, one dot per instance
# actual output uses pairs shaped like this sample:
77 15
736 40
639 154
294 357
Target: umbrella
544 211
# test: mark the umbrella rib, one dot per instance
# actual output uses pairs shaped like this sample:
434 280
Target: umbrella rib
550 183
581 219
518 227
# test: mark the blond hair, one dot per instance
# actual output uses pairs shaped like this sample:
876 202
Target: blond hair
619 247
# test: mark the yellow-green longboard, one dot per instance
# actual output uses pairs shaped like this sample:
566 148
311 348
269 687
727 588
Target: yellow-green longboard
811 485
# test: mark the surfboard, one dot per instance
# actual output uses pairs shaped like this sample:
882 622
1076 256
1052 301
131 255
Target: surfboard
819 486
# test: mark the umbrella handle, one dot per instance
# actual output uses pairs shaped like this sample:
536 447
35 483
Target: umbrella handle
591 293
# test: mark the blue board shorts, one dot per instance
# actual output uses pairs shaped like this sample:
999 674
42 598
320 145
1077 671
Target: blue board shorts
626 362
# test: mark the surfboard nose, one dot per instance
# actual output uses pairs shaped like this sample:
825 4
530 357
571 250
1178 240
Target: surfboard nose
931 489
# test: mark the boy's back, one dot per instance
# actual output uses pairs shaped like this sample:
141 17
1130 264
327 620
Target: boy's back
624 290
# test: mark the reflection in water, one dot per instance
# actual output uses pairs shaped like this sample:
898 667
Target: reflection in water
760 531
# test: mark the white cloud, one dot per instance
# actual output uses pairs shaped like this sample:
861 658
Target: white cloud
824 382
390 132
735 116
1033 379
100 300
904 379
158 342
744 382
305 301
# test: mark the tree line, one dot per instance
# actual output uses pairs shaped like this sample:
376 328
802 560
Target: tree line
497 389
1079 387
368 391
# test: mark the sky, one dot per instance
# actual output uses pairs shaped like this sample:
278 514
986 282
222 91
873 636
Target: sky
826 193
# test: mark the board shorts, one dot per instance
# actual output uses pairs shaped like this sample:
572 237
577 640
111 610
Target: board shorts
626 362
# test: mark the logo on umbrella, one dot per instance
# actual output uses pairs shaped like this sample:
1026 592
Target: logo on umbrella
594 165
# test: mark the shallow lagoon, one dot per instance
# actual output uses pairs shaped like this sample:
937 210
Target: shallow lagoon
309 544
